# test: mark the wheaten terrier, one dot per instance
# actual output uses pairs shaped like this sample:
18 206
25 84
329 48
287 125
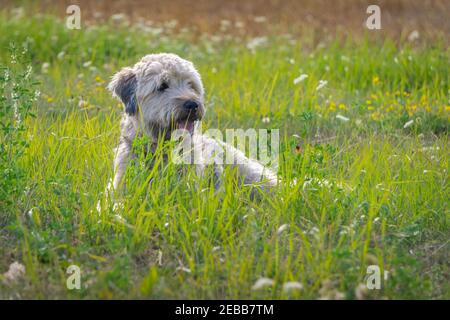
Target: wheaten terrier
163 93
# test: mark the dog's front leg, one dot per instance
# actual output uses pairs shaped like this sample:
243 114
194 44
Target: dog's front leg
123 154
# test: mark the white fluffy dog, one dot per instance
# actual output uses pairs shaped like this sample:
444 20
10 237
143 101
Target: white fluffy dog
162 93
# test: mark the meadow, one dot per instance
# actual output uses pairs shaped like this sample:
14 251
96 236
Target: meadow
364 131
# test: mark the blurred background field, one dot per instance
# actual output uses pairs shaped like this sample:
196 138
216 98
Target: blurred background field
366 110
320 18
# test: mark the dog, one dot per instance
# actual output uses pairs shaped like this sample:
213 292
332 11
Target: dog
163 93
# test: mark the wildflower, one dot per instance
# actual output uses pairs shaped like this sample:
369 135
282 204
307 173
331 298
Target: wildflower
413 36
342 118
61 55
332 106
408 124
342 106
263 282
256 42
293 285
376 115
322 83
83 104
45 67
282 229
375 80
300 78
118 17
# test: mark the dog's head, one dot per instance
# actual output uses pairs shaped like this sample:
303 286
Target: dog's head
162 91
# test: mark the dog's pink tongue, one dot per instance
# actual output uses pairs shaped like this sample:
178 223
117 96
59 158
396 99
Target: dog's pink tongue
186 125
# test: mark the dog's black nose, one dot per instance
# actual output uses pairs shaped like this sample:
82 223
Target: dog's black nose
190 105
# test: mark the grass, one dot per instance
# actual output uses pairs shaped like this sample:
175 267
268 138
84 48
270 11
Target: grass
178 238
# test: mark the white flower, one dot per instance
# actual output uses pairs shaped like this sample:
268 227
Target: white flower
408 124
342 118
413 36
322 83
118 17
256 42
293 285
263 282
87 64
300 78
61 55
45 67
282 228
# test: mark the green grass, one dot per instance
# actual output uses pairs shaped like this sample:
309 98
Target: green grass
393 211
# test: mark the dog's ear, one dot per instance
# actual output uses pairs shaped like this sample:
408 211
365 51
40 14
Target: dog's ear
123 85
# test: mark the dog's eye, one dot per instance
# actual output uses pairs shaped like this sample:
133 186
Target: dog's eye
163 87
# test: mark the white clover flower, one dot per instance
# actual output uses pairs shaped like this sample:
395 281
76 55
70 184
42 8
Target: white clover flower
342 118
256 42
292 285
263 282
282 228
322 83
413 36
45 67
300 78
61 55
408 124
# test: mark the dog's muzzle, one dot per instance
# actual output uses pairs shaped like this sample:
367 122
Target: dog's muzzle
189 114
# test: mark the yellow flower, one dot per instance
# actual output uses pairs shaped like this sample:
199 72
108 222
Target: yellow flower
375 80
376 116
370 108
369 101
342 106
332 106
99 79
50 99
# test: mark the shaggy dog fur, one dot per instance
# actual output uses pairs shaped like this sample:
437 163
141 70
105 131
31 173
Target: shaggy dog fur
163 93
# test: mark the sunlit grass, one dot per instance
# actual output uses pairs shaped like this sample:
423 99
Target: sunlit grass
386 202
